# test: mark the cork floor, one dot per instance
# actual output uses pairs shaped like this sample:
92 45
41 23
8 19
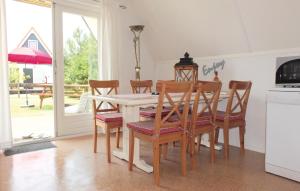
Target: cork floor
73 166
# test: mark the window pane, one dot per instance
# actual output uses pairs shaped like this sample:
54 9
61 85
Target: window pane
80 60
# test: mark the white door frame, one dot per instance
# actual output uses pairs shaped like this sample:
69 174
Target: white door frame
66 125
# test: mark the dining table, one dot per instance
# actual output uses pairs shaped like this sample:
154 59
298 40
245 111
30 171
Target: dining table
130 105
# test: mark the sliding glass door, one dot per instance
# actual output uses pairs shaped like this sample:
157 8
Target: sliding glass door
30 55
76 48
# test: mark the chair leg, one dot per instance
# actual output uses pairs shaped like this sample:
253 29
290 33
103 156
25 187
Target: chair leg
242 136
199 142
160 152
165 150
217 135
156 162
95 137
192 151
212 145
191 141
187 145
131 149
183 154
108 144
226 142
118 137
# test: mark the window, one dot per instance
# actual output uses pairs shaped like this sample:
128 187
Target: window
34 44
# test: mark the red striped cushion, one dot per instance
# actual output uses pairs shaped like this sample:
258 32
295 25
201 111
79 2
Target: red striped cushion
150 113
110 117
147 127
202 120
233 117
205 116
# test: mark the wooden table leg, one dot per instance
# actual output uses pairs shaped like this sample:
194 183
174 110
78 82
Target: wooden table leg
131 114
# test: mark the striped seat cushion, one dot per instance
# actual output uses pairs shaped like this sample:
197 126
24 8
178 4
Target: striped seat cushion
147 127
200 122
151 112
110 117
233 117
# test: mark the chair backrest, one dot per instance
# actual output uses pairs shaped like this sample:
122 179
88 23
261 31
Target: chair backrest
206 101
108 87
180 99
141 86
238 97
160 82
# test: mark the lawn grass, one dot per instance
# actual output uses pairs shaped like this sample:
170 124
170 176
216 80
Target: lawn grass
17 110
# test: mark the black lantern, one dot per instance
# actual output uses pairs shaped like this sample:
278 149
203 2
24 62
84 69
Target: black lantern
186 69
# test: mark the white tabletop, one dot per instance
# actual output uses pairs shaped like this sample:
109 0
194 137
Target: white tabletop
141 99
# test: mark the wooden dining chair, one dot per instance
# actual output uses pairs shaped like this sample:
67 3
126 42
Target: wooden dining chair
106 114
235 113
159 84
215 79
203 116
149 113
141 86
160 131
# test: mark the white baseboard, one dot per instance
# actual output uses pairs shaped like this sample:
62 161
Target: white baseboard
284 172
100 131
72 136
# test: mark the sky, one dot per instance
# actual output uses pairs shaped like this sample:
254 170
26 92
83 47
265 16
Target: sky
21 17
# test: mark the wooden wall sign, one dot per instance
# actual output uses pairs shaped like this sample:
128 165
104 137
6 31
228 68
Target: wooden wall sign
216 66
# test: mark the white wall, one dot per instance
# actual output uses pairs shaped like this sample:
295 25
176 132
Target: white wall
260 69
126 52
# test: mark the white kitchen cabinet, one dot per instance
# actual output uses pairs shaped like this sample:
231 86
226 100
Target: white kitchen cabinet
283 133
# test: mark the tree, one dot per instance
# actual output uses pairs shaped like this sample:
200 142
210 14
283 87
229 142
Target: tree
14 74
80 58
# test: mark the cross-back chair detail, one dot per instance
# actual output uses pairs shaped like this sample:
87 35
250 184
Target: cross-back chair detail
208 92
240 92
141 86
234 115
164 94
104 88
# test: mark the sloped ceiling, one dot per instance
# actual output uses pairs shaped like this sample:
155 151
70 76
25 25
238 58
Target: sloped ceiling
217 27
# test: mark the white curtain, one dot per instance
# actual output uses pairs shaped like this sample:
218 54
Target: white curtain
108 41
5 124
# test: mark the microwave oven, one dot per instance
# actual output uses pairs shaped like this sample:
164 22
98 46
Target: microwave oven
288 71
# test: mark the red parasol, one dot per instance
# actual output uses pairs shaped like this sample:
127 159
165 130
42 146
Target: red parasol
30 56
